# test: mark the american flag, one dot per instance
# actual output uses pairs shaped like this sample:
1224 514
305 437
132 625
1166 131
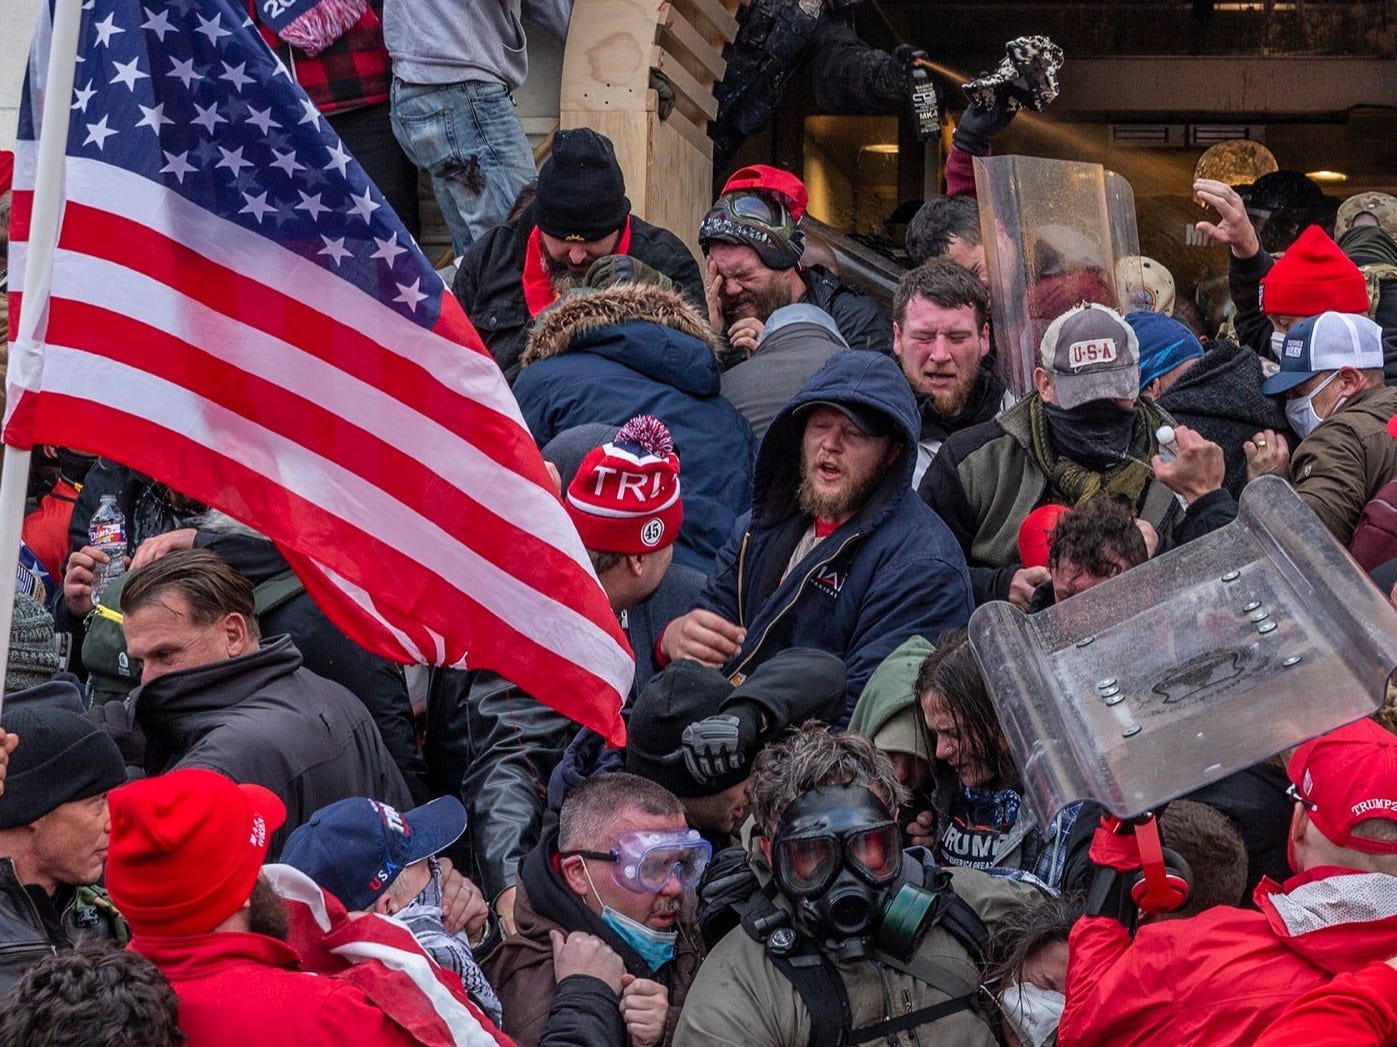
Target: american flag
235 310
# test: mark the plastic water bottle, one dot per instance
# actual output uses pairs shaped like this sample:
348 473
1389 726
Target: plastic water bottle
107 532
1168 449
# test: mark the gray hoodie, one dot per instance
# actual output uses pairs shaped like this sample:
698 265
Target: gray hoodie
447 42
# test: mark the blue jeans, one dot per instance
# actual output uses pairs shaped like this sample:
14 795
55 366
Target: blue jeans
469 138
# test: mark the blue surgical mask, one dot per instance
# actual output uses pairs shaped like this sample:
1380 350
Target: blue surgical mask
1301 414
656 948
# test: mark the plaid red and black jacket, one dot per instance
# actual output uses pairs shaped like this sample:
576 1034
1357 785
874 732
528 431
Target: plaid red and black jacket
352 72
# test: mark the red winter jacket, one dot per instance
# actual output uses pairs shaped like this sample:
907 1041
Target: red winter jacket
1224 976
1354 1010
237 989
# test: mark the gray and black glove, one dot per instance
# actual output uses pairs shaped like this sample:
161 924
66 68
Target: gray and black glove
722 745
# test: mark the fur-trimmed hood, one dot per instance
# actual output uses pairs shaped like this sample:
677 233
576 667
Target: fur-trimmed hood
564 325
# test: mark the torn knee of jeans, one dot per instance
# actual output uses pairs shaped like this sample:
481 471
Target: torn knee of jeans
469 174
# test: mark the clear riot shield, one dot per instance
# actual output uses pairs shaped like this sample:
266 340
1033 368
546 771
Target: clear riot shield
1053 231
1210 658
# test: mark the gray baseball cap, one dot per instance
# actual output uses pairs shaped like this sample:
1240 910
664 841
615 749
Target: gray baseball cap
1092 354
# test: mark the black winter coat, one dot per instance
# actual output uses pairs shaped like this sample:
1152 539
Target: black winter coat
775 38
1220 396
495 747
489 282
263 718
326 651
862 321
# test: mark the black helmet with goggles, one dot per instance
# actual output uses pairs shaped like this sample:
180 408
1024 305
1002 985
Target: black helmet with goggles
756 220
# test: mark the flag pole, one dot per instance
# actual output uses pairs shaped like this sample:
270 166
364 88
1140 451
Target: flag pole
38 267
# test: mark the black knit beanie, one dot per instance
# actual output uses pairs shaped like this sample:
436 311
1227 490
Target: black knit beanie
581 194
61 757
682 694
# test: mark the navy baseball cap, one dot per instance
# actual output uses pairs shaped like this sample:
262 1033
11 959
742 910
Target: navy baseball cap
356 848
1325 342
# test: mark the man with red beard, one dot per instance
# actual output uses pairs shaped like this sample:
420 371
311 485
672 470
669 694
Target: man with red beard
617 866
837 553
941 335
580 214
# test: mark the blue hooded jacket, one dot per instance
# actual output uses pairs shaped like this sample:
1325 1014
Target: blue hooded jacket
633 350
891 571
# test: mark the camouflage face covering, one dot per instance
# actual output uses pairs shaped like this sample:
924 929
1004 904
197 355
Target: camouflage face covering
1025 77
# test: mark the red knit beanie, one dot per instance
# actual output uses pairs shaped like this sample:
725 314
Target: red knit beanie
625 496
1034 533
1313 277
186 848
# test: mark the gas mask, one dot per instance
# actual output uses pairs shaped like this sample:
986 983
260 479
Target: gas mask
837 857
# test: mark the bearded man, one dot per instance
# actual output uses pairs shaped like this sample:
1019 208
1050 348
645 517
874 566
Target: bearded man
579 215
185 869
941 336
758 262
837 553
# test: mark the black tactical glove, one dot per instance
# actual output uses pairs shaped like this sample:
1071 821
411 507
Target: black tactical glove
723 744
905 55
728 881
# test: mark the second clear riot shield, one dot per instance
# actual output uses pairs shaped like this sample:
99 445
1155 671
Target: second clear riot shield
1053 232
1207 659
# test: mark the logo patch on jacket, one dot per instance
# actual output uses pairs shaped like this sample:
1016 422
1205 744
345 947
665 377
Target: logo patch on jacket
829 580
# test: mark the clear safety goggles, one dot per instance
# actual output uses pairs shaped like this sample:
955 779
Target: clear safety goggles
643 861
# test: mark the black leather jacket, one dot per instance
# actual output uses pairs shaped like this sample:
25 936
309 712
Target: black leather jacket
495 747
24 938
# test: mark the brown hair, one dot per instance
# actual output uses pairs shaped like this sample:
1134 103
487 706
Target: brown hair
811 757
210 584
592 808
1087 533
92 995
943 283
1213 847
952 672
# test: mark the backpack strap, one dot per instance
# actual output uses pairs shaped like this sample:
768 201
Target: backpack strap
816 981
272 592
924 1016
